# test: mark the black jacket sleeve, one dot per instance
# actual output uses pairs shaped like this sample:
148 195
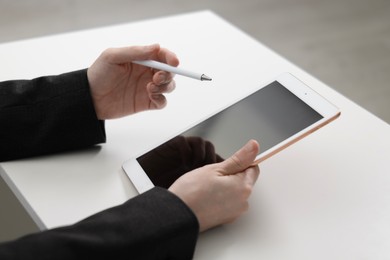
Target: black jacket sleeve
54 114
153 225
47 115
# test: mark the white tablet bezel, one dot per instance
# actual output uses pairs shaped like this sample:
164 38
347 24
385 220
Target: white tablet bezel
328 111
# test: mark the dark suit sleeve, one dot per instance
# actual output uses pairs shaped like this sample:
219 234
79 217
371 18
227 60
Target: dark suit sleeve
55 114
153 225
47 115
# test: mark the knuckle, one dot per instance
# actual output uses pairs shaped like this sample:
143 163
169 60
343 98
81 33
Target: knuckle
236 161
108 53
247 190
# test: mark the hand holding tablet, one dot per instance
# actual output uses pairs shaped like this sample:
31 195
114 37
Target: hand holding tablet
218 193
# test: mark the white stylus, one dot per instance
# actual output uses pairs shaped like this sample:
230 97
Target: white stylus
165 67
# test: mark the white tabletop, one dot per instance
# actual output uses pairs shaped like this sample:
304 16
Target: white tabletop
326 197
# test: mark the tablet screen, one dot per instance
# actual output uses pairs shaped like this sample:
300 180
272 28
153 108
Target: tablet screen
270 115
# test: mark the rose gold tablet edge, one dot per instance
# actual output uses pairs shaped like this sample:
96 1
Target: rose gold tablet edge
300 137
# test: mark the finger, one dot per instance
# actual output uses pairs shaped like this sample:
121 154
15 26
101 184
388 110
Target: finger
168 88
161 89
167 56
131 53
158 101
252 174
162 77
241 159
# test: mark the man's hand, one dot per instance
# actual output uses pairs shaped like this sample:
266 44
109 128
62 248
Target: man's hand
120 88
218 193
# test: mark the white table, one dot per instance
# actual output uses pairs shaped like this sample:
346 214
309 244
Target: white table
326 197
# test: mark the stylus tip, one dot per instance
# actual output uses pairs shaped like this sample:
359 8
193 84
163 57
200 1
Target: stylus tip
205 77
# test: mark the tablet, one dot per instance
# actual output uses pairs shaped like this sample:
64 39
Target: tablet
277 115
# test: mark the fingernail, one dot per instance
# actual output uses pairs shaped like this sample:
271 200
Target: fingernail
250 146
162 78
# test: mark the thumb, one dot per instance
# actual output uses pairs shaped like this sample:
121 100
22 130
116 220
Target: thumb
242 159
131 53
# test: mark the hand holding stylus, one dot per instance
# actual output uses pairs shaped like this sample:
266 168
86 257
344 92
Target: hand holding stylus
120 88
